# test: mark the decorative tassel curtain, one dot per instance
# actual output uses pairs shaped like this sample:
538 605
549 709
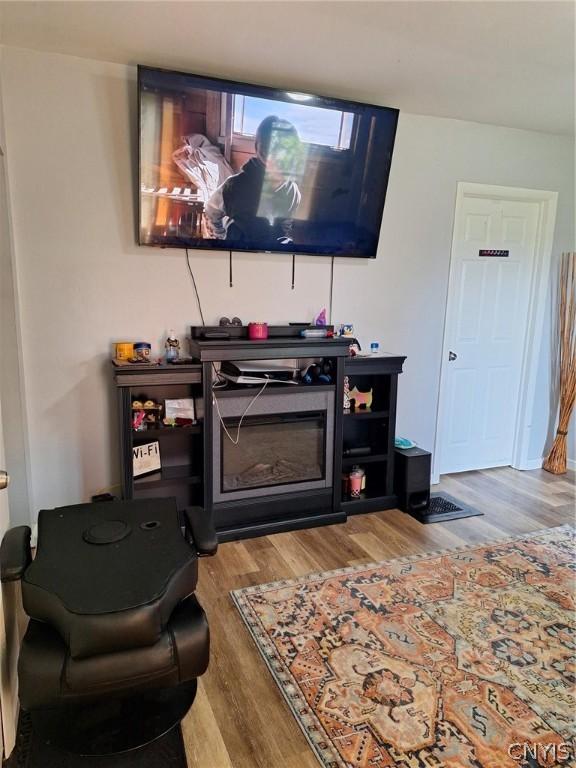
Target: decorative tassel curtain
556 461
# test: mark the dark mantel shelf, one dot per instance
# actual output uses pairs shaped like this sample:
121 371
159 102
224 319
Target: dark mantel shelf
213 350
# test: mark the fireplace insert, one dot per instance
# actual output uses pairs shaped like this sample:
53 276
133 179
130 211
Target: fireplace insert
274 450
285 445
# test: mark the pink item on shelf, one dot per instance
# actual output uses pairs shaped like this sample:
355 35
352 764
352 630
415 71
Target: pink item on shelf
355 484
257 331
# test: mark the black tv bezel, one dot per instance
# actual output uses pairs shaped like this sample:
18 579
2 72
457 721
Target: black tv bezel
241 246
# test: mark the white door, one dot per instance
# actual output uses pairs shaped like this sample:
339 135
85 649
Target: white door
491 272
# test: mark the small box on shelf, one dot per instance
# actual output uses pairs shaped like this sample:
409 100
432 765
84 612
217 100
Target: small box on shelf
146 458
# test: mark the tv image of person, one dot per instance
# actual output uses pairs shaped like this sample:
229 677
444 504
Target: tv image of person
257 204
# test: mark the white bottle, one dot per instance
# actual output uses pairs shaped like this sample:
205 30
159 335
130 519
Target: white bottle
172 347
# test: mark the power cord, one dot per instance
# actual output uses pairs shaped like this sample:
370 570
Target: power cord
195 287
220 382
236 440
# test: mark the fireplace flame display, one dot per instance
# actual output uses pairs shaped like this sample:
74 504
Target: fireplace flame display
274 451
281 471
284 446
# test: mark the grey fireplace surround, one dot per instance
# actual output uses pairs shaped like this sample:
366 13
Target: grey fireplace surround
284 453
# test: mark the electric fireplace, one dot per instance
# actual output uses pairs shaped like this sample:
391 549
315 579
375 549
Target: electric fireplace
284 444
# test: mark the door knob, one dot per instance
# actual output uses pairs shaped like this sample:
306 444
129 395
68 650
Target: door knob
4 479
452 356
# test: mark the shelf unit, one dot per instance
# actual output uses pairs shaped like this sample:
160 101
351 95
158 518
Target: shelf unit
367 414
373 430
370 458
148 434
167 477
181 448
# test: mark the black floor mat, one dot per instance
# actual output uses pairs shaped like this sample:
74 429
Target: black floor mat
32 752
445 507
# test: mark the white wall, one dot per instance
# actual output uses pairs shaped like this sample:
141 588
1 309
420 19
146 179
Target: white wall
13 422
71 130
406 298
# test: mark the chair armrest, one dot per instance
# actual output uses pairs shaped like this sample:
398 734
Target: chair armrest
200 529
15 553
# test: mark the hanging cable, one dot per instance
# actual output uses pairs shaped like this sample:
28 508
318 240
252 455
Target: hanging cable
195 287
293 270
236 440
230 268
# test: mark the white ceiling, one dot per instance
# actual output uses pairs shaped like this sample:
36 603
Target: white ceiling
507 63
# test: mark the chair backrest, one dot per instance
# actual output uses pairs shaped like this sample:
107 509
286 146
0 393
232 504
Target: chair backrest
108 575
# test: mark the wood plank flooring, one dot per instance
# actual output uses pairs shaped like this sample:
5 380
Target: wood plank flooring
240 719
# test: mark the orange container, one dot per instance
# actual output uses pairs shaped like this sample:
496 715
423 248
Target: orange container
124 350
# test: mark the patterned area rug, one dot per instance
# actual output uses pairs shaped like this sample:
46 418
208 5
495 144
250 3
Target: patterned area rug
462 659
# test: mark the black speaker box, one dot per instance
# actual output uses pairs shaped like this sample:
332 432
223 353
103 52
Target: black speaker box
412 471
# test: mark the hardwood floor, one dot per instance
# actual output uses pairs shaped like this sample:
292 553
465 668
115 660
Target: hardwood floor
240 719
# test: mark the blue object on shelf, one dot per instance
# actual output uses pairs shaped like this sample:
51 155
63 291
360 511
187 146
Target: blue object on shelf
403 443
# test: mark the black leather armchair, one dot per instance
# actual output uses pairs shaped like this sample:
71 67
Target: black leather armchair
116 634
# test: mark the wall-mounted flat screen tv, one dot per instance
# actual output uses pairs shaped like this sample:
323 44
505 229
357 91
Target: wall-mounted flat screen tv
238 167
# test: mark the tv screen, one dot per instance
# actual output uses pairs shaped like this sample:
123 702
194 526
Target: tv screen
239 167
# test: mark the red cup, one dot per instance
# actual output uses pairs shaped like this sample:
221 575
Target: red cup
257 331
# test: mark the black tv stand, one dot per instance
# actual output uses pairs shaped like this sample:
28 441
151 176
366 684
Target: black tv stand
189 464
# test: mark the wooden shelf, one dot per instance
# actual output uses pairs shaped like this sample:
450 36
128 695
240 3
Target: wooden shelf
167 476
371 458
365 414
366 503
383 363
151 434
158 374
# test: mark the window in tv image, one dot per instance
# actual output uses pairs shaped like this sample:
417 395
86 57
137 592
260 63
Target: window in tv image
230 170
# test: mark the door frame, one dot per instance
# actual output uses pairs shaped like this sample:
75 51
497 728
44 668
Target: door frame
539 287
13 620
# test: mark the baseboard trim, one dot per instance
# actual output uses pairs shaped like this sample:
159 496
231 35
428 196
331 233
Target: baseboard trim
537 464
530 464
527 466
